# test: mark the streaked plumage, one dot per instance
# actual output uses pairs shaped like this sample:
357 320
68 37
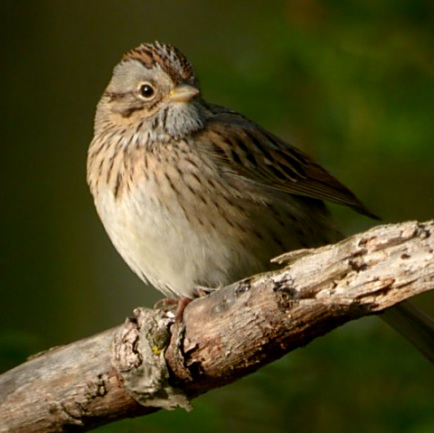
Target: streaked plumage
193 194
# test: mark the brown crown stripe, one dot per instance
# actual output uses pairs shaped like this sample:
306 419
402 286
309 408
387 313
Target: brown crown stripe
169 58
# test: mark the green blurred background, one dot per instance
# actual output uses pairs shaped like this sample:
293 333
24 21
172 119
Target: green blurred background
350 82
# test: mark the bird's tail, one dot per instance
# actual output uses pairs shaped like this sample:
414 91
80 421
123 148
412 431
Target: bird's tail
413 324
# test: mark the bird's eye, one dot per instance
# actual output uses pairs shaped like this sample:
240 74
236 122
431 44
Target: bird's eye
147 90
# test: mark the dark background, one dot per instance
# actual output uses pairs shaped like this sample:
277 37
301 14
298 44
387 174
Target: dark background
350 82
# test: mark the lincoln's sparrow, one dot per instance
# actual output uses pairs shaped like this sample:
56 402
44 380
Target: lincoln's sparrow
193 194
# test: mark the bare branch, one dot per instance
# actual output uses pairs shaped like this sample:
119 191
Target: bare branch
223 337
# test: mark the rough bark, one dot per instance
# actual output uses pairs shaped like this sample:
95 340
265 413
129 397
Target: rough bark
222 337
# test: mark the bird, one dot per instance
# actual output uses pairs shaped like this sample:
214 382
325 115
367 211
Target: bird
195 196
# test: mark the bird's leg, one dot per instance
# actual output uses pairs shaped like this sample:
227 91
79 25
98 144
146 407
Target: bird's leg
178 304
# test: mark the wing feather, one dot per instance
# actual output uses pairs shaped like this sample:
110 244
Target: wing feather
262 157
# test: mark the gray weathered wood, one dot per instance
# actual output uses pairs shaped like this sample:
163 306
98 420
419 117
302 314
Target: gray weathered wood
222 337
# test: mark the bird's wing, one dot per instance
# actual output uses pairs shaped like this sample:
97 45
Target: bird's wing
260 156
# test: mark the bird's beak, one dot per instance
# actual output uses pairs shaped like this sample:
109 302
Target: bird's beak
183 93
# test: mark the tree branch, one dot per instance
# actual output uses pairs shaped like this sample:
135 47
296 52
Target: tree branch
223 337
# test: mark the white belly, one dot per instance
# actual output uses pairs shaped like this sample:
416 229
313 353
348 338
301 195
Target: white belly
164 248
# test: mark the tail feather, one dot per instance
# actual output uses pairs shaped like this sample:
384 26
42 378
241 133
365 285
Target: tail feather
413 324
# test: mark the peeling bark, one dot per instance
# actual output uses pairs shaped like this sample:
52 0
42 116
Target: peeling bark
159 362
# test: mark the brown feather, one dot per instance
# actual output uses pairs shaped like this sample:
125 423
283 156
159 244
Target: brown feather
262 157
169 58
